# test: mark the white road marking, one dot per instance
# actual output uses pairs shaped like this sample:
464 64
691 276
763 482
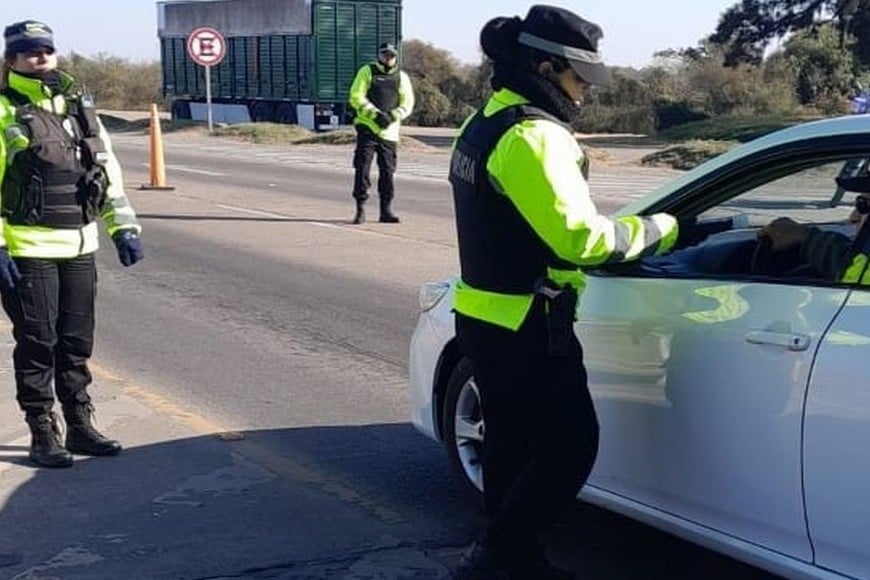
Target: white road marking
267 214
343 228
186 169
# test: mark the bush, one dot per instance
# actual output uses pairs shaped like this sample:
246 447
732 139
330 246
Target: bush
431 108
670 114
116 83
728 128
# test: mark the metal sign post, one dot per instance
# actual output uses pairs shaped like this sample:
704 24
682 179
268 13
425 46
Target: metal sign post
207 47
208 95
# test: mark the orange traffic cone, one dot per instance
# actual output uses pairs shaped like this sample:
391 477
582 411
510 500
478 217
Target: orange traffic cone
158 169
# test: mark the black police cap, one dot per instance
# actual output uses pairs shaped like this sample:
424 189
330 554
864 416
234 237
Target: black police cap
27 36
561 32
389 48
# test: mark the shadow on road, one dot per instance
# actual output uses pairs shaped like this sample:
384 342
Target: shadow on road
237 218
357 502
300 503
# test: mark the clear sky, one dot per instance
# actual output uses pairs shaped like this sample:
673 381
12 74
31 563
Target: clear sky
633 29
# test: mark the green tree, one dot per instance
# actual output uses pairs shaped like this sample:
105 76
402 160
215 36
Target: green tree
822 70
447 92
432 108
115 83
424 60
432 70
746 28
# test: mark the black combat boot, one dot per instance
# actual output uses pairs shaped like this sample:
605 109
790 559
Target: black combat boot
81 435
541 569
46 449
360 216
387 216
481 562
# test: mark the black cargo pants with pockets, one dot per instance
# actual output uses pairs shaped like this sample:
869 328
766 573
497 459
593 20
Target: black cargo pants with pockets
52 314
541 431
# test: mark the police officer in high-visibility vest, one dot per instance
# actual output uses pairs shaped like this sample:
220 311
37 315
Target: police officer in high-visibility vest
58 175
526 224
382 97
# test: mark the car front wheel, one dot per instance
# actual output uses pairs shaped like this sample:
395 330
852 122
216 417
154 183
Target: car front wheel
463 425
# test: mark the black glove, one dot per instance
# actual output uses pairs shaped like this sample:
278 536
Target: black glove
9 274
692 232
383 120
129 247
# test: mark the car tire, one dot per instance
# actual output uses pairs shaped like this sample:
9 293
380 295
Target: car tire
463 427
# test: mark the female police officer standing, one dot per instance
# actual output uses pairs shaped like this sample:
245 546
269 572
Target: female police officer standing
58 175
526 223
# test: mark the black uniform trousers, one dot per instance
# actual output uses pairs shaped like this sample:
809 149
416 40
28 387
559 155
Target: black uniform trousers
52 314
541 432
369 145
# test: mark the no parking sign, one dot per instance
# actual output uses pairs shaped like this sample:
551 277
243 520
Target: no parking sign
206 46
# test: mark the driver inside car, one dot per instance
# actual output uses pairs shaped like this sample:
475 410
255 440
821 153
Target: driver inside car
830 253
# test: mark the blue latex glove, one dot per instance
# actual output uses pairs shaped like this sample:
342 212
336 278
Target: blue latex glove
9 274
129 247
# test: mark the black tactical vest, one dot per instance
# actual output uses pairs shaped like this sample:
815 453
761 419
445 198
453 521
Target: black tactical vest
384 90
498 250
58 181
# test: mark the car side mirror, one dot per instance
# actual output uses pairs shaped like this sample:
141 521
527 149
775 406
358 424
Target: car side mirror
854 184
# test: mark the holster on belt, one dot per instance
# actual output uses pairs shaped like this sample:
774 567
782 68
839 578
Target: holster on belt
560 309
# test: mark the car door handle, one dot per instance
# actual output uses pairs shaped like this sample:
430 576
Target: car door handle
791 341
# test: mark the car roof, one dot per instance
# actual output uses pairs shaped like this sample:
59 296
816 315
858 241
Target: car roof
846 125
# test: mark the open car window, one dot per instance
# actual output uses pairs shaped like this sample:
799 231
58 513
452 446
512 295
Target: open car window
812 195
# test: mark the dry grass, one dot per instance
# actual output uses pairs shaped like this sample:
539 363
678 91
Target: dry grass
687 155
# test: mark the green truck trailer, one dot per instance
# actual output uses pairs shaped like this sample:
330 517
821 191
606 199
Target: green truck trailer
286 61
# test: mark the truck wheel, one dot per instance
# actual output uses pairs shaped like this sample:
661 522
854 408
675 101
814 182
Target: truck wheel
180 110
262 112
286 113
462 425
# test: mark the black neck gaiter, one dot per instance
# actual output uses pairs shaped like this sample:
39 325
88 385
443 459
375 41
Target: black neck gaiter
51 79
540 92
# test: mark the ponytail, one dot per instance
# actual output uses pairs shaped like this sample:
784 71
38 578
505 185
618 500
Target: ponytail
4 74
498 38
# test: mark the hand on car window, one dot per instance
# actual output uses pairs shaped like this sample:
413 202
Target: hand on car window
784 233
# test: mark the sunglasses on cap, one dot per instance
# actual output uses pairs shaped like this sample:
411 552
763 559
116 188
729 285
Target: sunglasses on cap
862 204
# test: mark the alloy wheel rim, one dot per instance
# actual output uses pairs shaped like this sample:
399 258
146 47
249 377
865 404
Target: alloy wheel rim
469 432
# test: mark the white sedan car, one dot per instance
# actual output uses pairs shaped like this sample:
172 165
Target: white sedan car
732 384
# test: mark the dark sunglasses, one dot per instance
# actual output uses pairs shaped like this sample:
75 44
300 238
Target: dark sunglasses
862 204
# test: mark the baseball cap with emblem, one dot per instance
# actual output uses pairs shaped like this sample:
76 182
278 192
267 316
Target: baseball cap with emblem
388 48
563 33
27 36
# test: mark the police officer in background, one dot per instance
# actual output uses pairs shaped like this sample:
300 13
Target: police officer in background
57 176
382 97
526 224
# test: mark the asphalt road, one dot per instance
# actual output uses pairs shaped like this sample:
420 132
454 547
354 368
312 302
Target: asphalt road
260 308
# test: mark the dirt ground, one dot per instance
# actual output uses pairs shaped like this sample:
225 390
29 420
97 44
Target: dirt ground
609 148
